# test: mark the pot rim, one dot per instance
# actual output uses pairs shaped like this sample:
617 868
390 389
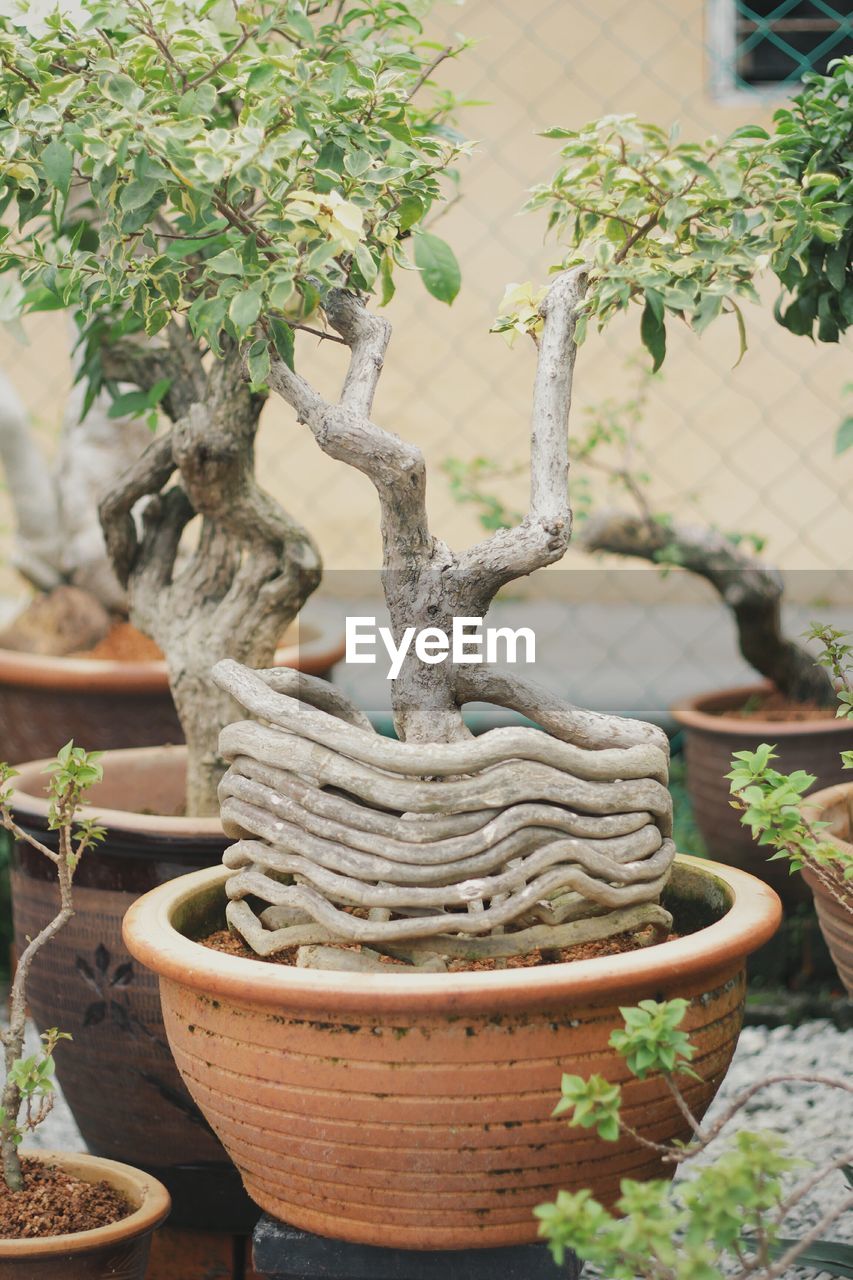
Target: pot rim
154 1209
26 804
108 675
153 940
690 713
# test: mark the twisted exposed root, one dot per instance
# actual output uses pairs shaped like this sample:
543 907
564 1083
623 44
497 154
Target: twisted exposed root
347 836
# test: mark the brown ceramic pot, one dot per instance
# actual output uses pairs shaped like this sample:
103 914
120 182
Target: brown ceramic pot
120 1081
710 740
105 705
414 1110
834 806
119 1250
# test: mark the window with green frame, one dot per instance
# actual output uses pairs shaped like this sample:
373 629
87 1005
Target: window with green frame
767 44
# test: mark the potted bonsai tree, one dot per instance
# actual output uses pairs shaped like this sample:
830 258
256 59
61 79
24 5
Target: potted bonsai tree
440 851
60 1212
144 188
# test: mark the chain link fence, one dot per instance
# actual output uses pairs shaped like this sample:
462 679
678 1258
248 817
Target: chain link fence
747 449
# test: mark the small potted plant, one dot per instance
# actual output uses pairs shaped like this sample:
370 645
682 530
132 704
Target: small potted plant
810 832
71 1214
730 1218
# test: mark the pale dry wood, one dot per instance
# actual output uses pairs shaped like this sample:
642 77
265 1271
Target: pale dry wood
366 828
510 834
510 782
643 760
265 939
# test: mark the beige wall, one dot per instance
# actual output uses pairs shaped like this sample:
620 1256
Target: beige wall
749 448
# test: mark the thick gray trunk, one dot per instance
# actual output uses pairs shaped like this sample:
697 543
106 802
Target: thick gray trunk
248 573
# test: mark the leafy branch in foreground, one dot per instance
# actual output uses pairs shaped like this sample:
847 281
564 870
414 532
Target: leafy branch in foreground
27 1094
726 1219
772 803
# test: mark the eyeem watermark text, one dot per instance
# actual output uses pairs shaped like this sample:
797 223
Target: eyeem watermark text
469 641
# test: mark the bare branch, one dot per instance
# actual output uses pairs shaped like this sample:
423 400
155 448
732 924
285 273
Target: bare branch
345 432
367 337
544 534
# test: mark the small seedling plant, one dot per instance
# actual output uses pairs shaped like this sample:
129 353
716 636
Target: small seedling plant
727 1219
773 805
27 1095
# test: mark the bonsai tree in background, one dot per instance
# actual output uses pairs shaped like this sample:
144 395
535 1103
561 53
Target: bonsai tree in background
196 189
58 538
27 1095
728 1218
610 445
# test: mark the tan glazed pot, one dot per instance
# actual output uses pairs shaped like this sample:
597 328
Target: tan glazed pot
107 705
414 1110
835 807
119 1251
712 738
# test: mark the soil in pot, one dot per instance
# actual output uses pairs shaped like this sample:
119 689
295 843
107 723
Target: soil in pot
415 1110
120 1080
53 1202
717 725
104 1214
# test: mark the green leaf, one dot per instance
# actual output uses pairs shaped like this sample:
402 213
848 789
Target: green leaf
58 162
283 338
245 308
831 1256
438 266
366 266
259 362
130 404
411 211
844 435
653 335
120 88
138 193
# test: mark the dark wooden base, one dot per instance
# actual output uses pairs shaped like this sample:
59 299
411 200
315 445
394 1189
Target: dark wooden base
283 1253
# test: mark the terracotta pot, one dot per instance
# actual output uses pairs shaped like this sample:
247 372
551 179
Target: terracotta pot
120 1080
414 1110
710 740
118 1250
834 805
105 705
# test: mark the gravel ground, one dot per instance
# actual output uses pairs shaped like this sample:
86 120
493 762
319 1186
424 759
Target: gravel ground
817 1121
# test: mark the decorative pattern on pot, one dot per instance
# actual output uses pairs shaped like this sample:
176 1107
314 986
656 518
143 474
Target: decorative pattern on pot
494 846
